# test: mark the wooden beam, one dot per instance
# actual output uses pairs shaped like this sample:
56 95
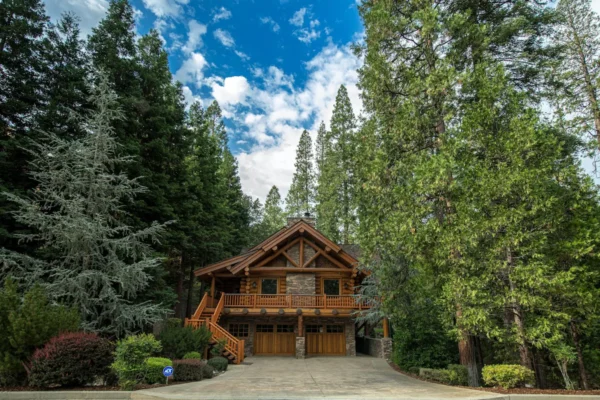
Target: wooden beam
313 258
301 253
212 287
277 254
300 326
293 269
290 259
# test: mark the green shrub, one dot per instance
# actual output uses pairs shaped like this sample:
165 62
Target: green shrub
218 347
188 370
438 375
459 375
130 355
414 370
507 376
177 340
27 322
219 363
153 369
208 372
174 323
71 359
192 355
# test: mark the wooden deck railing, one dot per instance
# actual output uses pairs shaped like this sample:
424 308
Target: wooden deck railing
203 304
293 301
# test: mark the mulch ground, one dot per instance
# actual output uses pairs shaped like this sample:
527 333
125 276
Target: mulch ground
503 391
83 388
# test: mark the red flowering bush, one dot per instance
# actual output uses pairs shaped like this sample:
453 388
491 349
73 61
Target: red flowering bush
71 359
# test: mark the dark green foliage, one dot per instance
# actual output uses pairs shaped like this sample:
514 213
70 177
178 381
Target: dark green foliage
218 347
71 359
188 370
301 196
507 376
192 355
208 372
219 363
177 341
439 375
130 355
153 369
28 322
458 374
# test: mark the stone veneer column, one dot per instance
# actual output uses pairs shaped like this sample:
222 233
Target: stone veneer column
300 347
386 348
350 338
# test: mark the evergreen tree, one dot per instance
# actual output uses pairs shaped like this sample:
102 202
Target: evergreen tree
300 197
578 80
336 213
22 26
274 217
321 148
93 261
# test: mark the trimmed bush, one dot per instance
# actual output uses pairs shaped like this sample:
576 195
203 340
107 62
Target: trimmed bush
130 355
71 359
459 375
192 355
218 347
414 370
507 376
219 363
439 375
208 372
153 367
188 370
177 340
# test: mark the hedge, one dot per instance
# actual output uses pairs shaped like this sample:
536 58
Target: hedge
153 367
507 375
188 370
219 363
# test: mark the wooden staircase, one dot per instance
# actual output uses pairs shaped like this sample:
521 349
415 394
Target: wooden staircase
207 314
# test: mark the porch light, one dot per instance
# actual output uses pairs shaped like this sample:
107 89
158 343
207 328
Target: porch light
254 285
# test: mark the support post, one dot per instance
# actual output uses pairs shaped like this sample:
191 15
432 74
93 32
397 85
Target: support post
300 326
212 287
386 328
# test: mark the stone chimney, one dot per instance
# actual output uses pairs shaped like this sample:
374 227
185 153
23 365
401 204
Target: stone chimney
306 218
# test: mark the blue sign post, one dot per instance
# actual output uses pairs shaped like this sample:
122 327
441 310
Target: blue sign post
167 372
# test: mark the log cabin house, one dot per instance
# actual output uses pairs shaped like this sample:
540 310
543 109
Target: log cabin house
292 294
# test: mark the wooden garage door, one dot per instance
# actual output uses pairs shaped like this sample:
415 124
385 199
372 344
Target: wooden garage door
274 340
325 340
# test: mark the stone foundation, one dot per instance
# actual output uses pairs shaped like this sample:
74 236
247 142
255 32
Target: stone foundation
376 347
300 347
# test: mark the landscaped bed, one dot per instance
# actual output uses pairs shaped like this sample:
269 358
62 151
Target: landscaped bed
501 390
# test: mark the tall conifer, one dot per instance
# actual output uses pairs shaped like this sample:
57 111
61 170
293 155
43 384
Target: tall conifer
300 197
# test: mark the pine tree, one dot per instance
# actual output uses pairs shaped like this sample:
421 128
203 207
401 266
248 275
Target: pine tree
321 147
93 261
578 77
274 217
336 213
22 26
300 197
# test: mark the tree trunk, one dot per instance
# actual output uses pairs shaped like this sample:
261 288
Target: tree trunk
524 355
582 372
468 352
180 307
539 368
190 295
589 86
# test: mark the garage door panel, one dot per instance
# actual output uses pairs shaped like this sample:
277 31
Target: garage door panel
270 340
326 343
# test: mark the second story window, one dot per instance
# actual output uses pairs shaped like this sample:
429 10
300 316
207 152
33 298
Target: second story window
268 286
331 287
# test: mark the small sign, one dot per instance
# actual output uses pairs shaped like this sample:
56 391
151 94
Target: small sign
168 371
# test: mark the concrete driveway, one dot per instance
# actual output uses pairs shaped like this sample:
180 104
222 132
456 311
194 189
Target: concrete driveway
314 378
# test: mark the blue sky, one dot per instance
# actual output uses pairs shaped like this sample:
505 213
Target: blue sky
274 66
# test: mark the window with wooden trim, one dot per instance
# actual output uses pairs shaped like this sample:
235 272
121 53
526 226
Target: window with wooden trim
268 286
335 329
238 330
285 328
264 328
331 287
314 329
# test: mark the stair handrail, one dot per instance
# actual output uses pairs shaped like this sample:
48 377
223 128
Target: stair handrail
232 344
201 307
215 317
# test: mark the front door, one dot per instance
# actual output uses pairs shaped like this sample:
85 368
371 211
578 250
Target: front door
274 339
325 340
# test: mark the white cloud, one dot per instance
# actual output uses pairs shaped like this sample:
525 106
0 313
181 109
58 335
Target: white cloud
232 91
224 37
277 112
314 22
165 8
191 71
195 32
189 96
242 55
90 12
596 6
298 18
221 14
268 20
307 35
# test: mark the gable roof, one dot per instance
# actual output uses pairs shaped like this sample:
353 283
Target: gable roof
270 245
